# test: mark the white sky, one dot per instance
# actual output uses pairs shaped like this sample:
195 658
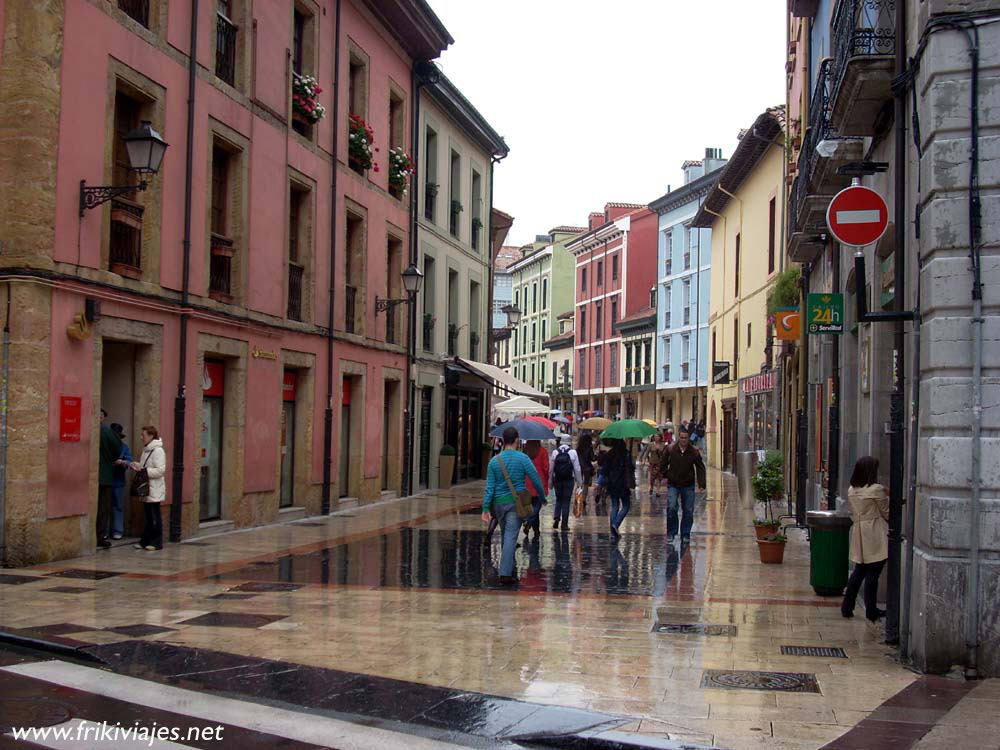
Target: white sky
603 101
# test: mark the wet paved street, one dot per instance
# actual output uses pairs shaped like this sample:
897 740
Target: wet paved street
344 614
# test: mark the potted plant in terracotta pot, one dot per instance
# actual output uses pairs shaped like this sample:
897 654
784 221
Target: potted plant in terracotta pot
772 548
446 466
768 483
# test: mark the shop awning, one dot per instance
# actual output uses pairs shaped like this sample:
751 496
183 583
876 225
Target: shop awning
503 380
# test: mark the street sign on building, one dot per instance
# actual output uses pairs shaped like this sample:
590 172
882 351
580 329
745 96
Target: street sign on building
788 323
720 373
762 383
825 312
857 216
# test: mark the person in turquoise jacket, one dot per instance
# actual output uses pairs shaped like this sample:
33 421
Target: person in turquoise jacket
497 496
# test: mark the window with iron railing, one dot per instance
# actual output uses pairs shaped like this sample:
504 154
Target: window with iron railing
125 246
220 269
350 308
862 28
295 274
137 10
225 49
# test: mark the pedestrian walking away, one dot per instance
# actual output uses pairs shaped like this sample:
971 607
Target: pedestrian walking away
540 458
619 481
869 505
118 488
683 466
585 452
654 456
498 497
150 487
110 451
566 474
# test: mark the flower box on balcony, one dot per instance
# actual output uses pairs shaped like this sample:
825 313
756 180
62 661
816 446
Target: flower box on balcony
222 246
360 153
123 269
305 92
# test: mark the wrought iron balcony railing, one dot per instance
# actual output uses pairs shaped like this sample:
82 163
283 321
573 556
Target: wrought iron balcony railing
220 269
125 245
819 122
862 28
138 10
225 49
295 275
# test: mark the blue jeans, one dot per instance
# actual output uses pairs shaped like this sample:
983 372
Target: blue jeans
118 510
510 524
625 503
686 497
536 509
564 499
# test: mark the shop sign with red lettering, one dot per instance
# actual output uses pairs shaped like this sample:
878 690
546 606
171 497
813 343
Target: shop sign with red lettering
70 408
759 383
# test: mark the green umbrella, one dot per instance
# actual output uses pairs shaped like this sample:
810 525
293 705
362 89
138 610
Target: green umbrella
628 428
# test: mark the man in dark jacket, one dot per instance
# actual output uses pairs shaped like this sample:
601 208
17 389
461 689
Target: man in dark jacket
110 451
682 465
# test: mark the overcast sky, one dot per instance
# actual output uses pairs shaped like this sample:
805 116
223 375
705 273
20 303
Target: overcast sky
603 101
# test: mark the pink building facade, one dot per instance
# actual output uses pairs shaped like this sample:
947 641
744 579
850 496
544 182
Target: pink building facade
615 275
203 304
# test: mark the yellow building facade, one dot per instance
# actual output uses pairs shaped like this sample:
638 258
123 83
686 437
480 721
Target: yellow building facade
744 212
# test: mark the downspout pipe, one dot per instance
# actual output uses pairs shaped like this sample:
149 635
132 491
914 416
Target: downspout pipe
5 375
180 400
325 500
802 423
411 308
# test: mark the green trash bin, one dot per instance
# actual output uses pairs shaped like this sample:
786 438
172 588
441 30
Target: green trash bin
829 546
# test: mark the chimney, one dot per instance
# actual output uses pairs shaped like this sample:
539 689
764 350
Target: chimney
595 220
713 159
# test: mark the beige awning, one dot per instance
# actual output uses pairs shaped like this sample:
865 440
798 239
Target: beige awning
504 380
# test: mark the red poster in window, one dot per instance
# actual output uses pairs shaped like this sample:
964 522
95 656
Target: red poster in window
213 379
70 408
288 386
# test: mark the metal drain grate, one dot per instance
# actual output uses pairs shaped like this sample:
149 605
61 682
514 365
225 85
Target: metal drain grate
823 651
691 628
784 682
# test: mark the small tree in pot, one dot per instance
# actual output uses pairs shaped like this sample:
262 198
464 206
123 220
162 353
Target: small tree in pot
446 466
768 484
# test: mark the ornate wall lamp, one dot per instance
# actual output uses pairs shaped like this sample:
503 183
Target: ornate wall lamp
145 152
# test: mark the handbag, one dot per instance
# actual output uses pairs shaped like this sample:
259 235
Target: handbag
140 484
522 500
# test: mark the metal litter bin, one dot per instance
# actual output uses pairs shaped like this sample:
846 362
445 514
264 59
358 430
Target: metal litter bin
829 546
746 467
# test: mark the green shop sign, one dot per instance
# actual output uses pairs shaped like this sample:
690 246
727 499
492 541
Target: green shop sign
825 313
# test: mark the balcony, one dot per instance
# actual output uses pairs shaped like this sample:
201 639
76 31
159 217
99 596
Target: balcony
864 46
137 10
220 269
350 308
817 180
225 49
295 274
125 242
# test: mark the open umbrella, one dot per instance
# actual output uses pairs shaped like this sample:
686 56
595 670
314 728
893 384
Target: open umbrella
562 420
526 430
650 422
544 421
595 423
628 428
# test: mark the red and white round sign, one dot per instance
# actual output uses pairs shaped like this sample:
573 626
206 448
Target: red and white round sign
857 216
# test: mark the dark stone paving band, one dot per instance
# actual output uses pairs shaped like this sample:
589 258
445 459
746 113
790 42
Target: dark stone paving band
316 688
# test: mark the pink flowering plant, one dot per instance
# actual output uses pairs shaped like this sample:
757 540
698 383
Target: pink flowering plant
359 144
305 91
401 166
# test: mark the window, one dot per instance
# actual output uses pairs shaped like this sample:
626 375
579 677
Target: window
298 40
517 298
581 370
534 297
770 236
614 268
599 321
692 246
429 300
647 367
652 296
220 263
456 193
534 338
583 280
430 175
225 42
686 301
357 85
554 373
748 335
737 267
532 374
628 364
614 364
354 273
685 356
598 352
614 310
545 294
298 237
583 324
714 356
125 238
600 273
666 305
397 127
736 346
477 210
668 252
545 330
137 10
524 339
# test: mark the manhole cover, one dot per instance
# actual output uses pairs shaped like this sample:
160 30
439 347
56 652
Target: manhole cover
823 651
32 712
784 682
689 628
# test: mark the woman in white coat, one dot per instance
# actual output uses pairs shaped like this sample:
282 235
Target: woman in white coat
869 537
154 461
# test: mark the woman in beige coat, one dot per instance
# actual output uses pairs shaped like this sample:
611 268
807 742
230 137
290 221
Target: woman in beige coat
154 461
869 537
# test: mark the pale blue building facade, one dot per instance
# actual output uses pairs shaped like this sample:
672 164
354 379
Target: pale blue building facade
684 265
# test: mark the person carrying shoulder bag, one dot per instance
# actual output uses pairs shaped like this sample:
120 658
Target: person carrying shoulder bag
150 487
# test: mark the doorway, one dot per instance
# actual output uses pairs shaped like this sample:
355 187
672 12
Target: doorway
118 375
464 431
345 438
288 388
213 393
386 416
728 436
426 403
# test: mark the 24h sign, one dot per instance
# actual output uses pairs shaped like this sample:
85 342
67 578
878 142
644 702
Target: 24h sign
825 313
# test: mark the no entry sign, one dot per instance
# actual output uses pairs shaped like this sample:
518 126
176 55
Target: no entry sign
857 216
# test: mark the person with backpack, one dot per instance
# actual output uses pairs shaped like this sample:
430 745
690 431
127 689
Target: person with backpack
565 475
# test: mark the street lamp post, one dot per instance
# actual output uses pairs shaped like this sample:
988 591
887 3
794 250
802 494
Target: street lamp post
413 279
145 149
